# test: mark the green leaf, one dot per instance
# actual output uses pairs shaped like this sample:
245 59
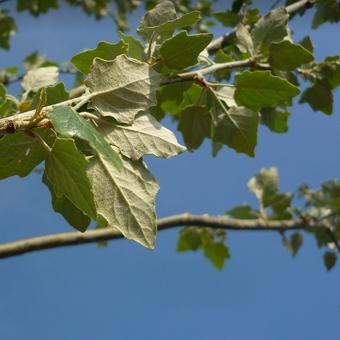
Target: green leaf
237 128
55 94
62 205
271 27
243 212
123 87
287 56
68 123
227 18
104 50
326 11
7 29
36 7
40 77
265 185
276 121
8 106
144 136
217 253
294 243
189 239
307 43
163 21
182 50
195 125
65 169
261 89
135 47
21 153
126 198
280 205
329 260
319 97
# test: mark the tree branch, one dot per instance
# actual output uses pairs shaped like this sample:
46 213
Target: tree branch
90 236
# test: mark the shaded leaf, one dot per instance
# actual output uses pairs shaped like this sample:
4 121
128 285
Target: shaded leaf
7 29
36 7
195 125
329 260
237 128
104 50
276 121
319 97
189 239
65 168
326 11
123 87
307 43
62 205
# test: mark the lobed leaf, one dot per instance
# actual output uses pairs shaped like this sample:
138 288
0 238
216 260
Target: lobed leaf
163 21
287 56
182 50
144 136
123 87
237 128
319 97
104 50
261 89
126 198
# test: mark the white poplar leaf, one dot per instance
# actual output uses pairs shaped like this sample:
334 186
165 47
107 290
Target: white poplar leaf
122 87
40 77
145 136
126 198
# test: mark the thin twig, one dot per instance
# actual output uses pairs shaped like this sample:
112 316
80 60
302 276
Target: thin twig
218 222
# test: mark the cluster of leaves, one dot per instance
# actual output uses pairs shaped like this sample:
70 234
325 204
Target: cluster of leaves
92 146
319 212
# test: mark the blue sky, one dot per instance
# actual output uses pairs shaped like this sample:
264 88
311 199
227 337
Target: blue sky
126 292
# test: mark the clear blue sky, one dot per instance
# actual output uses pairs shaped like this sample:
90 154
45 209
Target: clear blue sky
126 292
